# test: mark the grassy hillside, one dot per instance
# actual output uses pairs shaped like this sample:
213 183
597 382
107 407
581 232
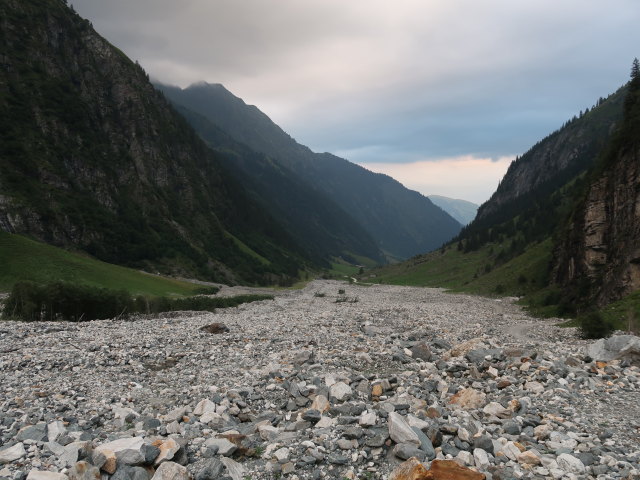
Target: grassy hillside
25 259
479 271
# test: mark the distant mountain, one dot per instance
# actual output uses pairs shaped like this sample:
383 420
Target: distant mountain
316 222
402 222
94 158
462 210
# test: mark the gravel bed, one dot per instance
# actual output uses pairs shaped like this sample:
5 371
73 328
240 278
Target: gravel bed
335 380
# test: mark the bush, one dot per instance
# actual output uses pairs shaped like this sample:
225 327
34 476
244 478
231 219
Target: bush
65 301
594 325
206 290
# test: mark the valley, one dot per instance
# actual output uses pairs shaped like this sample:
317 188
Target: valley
227 303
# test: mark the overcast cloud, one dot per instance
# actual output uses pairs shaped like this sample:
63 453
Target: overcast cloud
464 84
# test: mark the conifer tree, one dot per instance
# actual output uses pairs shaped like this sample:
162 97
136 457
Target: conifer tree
635 69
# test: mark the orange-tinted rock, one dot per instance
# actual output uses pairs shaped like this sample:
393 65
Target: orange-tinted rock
433 412
412 469
469 398
450 470
110 465
376 391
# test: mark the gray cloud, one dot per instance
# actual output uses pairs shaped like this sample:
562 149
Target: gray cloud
389 82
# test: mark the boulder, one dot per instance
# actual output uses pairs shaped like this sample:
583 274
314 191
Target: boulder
617 347
450 470
10 454
412 469
214 328
171 471
400 432
44 475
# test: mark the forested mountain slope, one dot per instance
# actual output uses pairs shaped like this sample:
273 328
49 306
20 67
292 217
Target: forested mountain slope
93 158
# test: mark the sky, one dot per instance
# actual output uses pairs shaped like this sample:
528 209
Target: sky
439 94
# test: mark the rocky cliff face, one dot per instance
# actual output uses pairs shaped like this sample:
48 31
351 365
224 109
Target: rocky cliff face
602 244
599 258
94 158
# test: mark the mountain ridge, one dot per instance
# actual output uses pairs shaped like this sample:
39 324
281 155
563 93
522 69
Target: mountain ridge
402 222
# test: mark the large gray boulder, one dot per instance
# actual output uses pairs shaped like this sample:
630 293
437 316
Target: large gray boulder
617 347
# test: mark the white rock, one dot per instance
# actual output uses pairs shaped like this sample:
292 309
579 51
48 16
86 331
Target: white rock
282 455
43 475
570 464
367 419
465 458
497 410
481 458
204 406
615 347
55 430
399 431
171 471
127 443
464 435
340 391
225 447
8 455
325 422
535 387
414 421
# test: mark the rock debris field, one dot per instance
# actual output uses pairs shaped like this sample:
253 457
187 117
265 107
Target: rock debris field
376 382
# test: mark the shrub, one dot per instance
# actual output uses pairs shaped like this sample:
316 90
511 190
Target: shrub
65 301
594 325
206 290
499 289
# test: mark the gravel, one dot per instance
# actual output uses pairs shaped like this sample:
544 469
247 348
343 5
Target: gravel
316 384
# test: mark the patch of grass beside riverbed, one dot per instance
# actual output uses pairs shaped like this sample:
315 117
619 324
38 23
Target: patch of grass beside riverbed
480 272
25 259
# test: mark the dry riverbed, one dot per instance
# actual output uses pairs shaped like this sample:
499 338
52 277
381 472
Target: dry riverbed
315 384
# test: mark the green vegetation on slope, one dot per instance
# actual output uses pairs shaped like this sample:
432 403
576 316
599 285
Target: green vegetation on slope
475 272
93 158
24 259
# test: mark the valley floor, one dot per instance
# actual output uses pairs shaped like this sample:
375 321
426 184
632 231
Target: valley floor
317 384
